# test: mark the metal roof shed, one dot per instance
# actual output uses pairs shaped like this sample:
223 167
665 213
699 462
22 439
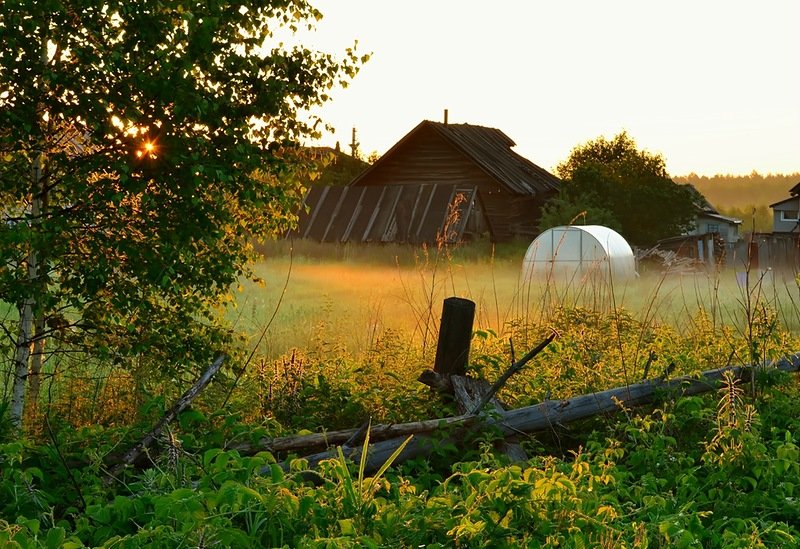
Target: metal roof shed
576 252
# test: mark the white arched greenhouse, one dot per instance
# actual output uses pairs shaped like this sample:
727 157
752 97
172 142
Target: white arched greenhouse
576 253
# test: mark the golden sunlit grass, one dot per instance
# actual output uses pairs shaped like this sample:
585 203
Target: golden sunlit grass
343 298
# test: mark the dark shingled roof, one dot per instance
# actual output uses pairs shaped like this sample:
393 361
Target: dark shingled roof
490 149
790 200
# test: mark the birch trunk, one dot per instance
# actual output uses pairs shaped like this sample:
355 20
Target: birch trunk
25 336
37 360
27 308
39 320
21 359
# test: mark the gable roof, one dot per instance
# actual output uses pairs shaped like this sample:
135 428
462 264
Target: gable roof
722 218
791 200
490 149
794 193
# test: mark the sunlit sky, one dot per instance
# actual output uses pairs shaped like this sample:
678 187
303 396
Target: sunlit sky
712 85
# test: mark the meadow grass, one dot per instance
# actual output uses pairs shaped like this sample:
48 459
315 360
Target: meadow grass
676 474
349 295
367 312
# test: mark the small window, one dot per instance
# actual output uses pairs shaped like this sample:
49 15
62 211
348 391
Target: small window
713 228
789 215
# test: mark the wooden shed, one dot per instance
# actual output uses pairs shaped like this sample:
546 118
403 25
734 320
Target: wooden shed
456 181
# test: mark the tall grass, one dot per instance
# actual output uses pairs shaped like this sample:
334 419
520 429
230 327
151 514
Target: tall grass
365 319
348 295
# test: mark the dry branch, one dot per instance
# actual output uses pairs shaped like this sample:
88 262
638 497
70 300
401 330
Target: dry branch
180 405
513 369
301 444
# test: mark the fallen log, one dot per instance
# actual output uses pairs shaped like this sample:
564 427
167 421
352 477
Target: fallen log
530 419
300 444
469 393
180 405
471 396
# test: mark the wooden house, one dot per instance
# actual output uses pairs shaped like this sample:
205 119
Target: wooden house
778 251
709 221
786 213
713 237
450 181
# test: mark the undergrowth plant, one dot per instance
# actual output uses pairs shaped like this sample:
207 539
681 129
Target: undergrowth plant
710 471
715 470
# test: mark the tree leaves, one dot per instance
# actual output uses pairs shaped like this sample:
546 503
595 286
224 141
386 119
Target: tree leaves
615 184
150 240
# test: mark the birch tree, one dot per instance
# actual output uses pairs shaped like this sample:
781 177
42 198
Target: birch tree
142 144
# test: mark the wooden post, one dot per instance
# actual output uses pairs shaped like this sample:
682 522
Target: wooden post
455 333
752 254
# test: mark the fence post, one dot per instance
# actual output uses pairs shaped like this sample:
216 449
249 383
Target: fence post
455 333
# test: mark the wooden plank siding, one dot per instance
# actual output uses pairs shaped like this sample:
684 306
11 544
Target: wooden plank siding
427 156
429 159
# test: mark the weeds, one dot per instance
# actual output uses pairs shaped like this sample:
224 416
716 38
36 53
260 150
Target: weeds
711 471
637 481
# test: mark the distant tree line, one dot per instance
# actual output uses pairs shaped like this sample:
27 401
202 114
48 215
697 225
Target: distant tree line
742 191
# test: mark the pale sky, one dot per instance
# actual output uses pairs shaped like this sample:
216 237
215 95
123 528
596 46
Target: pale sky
712 85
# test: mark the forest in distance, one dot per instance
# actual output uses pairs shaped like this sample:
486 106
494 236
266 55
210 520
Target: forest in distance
742 191
746 197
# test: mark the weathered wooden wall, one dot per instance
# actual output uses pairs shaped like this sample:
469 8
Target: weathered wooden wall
391 213
426 157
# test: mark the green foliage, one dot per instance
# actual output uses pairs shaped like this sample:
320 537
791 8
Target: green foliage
596 351
143 145
715 470
299 391
337 167
620 186
564 210
706 471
